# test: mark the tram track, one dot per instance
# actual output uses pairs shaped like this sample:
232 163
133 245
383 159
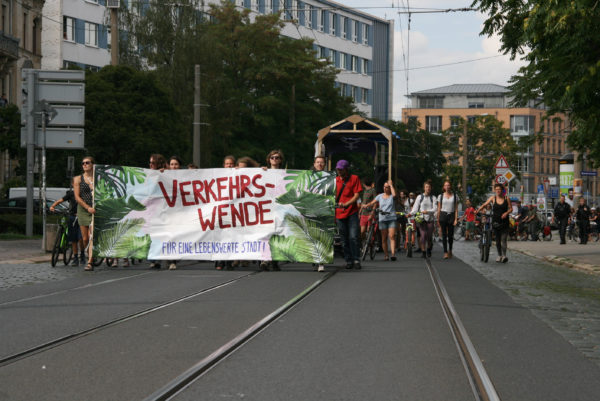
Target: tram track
79 334
481 384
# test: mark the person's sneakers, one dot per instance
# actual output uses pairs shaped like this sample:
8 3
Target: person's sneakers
155 265
449 254
321 268
499 259
423 254
429 253
504 259
314 265
349 265
357 265
172 266
264 265
275 266
393 258
445 255
75 262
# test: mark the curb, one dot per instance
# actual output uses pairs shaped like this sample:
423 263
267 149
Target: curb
29 260
562 261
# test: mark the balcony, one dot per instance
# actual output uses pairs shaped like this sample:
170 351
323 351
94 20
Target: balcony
9 47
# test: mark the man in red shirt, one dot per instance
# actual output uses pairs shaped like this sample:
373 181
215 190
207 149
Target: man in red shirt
348 190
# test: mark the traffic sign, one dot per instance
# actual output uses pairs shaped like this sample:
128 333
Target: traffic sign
501 163
500 179
589 173
509 175
57 138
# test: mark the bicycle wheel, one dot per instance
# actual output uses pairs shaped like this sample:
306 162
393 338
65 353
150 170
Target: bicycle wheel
481 248
56 249
458 232
110 261
486 247
97 261
409 245
366 242
67 254
372 248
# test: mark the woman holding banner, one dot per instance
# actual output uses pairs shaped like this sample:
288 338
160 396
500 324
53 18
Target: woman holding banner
157 162
228 162
83 187
174 164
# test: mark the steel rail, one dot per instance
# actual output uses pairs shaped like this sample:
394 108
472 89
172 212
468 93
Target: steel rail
71 337
186 378
481 383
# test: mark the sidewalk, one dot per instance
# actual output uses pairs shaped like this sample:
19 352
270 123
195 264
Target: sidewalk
23 252
572 254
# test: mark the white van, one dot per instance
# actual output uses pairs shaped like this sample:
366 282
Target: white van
51 193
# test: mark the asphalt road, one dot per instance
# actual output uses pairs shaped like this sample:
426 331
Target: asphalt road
375 334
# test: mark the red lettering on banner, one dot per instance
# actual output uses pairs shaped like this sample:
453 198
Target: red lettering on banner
208 190
264 211
183 192
220 187
258 186
197 188
244 186
247 213
170 202
207 223
237 215
235 186
222 214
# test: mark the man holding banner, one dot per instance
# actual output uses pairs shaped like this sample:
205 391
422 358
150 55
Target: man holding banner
348 189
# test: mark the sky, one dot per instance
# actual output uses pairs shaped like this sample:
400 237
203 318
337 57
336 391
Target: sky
435 39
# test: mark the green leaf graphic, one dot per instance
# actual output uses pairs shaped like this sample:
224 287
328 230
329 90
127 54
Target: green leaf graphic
109 241
309 242
317 182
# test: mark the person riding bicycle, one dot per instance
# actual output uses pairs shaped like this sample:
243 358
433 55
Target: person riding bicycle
427 206
532 222
74 232
365 212
501 208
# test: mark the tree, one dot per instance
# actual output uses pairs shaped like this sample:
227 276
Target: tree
260 90
560 42
130 116
487 139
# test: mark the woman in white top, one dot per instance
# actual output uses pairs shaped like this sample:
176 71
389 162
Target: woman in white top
426 204
447 214
387 218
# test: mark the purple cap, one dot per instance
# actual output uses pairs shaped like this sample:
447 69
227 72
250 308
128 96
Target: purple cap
342 164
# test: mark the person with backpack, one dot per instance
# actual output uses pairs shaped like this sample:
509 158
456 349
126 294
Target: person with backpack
447 216
425 205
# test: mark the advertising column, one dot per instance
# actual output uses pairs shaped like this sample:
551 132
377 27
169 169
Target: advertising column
566 177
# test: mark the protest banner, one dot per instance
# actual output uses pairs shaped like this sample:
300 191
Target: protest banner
214 214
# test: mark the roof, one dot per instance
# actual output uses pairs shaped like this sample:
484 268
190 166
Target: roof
354 10
465 89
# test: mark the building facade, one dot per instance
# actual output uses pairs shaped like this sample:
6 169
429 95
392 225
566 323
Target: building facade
436 108
359 44
21 25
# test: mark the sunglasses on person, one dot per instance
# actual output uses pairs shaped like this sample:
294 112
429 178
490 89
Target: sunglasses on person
86 162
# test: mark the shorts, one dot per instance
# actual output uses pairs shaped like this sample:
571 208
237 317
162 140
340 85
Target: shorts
84 217
470 225
364 220
387 224
74 231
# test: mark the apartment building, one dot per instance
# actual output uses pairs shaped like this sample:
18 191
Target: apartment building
20 37
436 108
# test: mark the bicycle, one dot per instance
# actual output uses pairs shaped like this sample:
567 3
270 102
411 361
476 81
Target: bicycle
410 237
370 242
460 230
62 246
485 240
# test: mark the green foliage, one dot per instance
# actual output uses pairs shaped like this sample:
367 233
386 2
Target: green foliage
260 90
559 41
113 180
487 139
309 243
10 130
315 207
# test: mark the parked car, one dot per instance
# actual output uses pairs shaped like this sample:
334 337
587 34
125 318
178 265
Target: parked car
19 206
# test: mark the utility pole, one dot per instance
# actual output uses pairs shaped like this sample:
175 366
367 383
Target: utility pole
464 161
196 141
43 189
31 78
114 36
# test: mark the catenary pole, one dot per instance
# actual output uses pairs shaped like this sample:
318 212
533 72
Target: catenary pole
196 141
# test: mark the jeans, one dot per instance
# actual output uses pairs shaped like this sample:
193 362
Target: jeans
349 229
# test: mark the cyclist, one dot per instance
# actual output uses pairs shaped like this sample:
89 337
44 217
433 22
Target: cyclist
74 231
368 195
501 208
387 218
425 204
447 215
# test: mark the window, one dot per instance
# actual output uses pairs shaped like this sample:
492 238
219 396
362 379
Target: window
294 9
268 6
344 22
365 66
108 38
364 96
355 94
343 89
91 34
69 29
431 102
320 52
365 34
309 17
24 31
343 60
321 20
331 56
355 31
522 125
332 23
454 121
254 5
523 165
354 65
476 105
4 25
433 124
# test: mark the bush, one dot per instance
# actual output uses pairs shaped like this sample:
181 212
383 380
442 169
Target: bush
15 223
